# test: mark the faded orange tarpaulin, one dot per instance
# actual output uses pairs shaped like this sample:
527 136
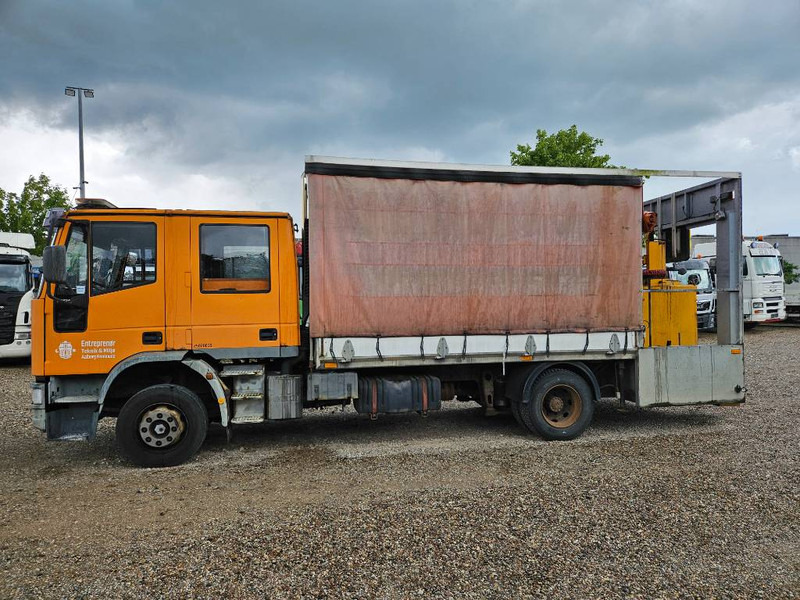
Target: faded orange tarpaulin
400 257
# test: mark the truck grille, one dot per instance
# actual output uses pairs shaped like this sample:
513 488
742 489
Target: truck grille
7 322
8 315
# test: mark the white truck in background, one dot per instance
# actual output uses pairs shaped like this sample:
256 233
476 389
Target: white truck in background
762 279
16 293
789 247
697 272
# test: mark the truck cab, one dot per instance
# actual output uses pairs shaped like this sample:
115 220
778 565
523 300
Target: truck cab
763 290
167 297
697 272
16 292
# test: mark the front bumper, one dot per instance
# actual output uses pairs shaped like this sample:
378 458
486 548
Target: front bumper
16 349
38 414
706 321
762 316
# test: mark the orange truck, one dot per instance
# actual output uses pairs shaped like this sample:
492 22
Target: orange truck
523 289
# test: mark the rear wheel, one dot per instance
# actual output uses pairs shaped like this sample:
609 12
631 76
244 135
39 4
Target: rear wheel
558 405
161 426
515 404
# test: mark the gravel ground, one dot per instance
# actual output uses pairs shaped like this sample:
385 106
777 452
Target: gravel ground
691 502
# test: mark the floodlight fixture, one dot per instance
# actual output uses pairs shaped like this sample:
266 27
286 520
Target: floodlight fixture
69 91
88 93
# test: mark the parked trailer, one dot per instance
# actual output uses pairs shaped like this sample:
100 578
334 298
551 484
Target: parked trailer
520 288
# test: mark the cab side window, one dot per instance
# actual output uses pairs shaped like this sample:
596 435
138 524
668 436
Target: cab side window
123 256
234 259
71 317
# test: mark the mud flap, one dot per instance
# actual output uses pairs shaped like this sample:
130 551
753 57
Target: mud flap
72 422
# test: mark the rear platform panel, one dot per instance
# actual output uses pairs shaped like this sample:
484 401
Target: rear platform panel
675 375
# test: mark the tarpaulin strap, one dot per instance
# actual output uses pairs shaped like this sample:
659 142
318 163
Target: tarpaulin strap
464 347
421 346
424 394
374 385
333 355
505 354
547 346
586 345
378 346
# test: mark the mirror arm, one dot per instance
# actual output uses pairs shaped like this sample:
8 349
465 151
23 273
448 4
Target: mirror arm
78 300
50 295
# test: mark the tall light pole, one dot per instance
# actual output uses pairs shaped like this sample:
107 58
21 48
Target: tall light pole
80 93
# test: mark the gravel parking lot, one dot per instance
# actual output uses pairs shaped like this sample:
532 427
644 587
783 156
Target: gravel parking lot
692 502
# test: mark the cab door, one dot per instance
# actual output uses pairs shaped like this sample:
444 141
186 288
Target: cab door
116 291
235 287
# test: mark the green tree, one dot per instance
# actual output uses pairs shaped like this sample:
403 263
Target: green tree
25 212
790 272
565 148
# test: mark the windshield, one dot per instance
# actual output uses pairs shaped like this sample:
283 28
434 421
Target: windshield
767 265
699 277
13 278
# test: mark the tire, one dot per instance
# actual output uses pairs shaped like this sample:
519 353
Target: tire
175 420
514 386
557 405
515 410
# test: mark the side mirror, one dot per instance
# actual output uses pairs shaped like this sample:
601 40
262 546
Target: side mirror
681 271
54 264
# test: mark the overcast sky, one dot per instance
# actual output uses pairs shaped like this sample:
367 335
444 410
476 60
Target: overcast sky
214 104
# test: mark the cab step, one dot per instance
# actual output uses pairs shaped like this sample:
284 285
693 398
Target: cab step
247 384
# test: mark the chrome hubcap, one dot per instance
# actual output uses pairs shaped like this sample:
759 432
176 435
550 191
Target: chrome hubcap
161 426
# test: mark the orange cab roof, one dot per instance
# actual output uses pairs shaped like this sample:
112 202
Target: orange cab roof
175 212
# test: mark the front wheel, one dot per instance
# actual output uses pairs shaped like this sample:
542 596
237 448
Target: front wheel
558 405
161 426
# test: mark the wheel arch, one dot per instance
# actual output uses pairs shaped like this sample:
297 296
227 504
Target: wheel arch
125 379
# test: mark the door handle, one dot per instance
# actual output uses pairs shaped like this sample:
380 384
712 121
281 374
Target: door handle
152 338
267 335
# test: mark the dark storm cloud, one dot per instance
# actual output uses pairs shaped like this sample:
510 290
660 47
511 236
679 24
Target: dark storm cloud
203 82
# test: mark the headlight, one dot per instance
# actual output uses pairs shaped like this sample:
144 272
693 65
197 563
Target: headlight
758 305
22 335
